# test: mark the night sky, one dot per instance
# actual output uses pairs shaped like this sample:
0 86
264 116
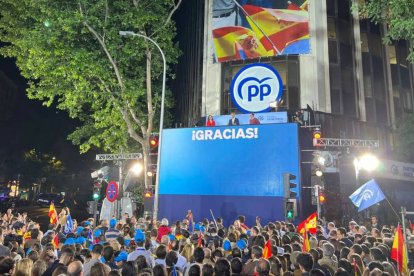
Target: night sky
29 125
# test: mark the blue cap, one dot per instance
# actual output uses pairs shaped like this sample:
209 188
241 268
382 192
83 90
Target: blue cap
69 241
127 242
97 233
227 245
139 236
249 232
80 240
197 227
171 236
241 244
122 257
91 247
79 230
113 222
87 223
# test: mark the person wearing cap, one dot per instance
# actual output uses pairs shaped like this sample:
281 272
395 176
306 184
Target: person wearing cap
120 259
141 251
112 233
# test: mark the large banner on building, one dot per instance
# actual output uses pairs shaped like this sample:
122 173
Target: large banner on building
249 29
231 170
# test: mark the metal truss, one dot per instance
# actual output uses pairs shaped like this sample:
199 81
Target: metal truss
346 143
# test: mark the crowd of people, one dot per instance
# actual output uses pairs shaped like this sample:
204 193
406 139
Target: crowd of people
138 246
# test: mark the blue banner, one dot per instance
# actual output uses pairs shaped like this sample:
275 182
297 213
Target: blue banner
367 195
264 118
229 161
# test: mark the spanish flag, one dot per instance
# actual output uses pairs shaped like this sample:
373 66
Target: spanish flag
200 240
399 251
306 244
52 213
267 251
236 42
55 241
278 28
308 224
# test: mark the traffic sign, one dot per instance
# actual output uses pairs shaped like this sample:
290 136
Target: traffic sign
118 156
112 191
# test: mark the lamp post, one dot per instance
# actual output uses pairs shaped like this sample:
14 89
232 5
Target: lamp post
366 162
157 177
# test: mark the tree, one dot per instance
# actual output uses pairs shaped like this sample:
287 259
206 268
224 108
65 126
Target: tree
398 17
73 57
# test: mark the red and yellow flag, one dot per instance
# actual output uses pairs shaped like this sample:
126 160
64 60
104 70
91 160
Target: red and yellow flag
200 240
308 224
267 251
306 244
278 28
52 213
55 241
399 251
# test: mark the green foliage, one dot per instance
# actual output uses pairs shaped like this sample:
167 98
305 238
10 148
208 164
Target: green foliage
73 56
397 14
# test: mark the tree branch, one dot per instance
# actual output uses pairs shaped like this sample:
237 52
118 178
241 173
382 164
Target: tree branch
176 6
105 49
149 93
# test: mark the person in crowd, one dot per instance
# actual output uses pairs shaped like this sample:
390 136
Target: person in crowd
233 120
163 229
112 233
210 121
253 120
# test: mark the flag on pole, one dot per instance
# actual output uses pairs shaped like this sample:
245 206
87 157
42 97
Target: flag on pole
52 213
399 251
267 250
55 241
367 195
190 223
200 240
306 244
69 225
308 224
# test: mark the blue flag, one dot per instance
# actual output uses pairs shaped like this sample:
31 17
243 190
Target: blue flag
367 195
69 225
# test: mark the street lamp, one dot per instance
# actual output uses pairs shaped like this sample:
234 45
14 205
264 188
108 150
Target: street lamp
136 169
157 177
366 162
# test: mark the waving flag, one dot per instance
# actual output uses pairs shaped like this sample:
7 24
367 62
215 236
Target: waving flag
308 224
306 244
367 195
55 241
278 28
52 213
69 225
267 250
236 42
399 252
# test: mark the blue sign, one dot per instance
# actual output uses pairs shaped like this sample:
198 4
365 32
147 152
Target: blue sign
255 86
227 169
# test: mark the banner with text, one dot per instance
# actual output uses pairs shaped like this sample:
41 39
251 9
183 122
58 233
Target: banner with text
244 119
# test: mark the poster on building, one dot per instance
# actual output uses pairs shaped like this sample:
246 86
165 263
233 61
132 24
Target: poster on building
246 29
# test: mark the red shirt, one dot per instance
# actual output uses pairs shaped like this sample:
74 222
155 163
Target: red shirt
254 121
162 231
211 123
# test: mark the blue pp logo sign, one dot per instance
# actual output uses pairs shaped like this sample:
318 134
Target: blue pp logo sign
255 86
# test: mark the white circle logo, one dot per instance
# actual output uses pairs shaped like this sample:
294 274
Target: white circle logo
255 86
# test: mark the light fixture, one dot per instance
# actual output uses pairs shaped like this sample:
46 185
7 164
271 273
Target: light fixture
318 172
137 168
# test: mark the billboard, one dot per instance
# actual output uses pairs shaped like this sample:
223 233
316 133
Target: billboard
256 28
231 170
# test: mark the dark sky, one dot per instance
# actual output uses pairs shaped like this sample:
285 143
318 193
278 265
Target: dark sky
30 125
